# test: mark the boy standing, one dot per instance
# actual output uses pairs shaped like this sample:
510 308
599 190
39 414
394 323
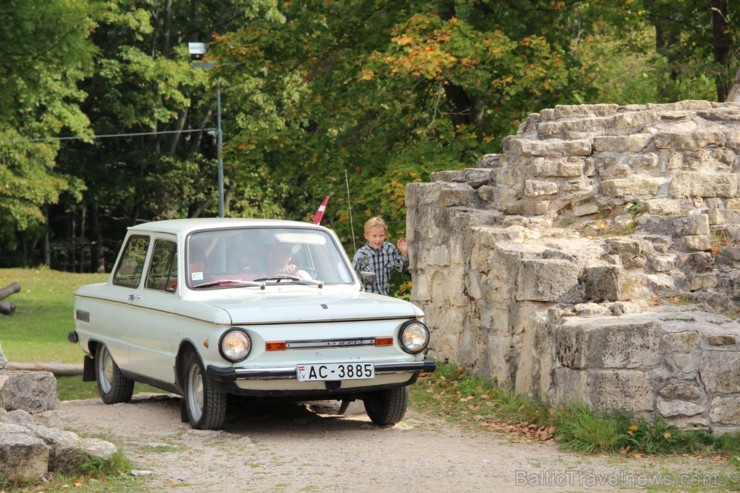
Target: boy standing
379 256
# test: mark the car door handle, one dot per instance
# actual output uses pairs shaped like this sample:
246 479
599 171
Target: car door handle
134 297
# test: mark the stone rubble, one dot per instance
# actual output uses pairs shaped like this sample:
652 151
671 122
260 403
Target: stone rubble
32 442
593 260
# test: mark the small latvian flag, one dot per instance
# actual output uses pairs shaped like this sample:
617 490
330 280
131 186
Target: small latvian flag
320 213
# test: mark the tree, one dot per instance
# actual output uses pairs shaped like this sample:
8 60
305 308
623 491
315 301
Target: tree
159 161
45 53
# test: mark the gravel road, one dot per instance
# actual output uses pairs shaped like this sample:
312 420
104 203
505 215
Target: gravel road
289 447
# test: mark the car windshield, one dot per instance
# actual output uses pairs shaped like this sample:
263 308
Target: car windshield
230 258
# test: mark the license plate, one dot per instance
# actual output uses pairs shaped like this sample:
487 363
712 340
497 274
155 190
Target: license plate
335 371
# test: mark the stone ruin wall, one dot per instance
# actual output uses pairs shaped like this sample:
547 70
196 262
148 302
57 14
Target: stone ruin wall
596 259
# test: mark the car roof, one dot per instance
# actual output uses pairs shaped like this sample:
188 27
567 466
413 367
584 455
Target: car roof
185 226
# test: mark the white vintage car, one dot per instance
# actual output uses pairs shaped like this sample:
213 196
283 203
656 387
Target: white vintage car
210 307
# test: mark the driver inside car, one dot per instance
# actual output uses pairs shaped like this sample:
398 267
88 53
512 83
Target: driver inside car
277 260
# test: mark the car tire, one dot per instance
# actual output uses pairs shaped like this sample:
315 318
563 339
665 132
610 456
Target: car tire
112 385
205 405
387 407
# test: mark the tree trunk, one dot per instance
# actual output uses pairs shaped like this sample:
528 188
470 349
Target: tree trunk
97 257
47 244
721 44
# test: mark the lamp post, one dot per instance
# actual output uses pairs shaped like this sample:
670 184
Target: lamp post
197 51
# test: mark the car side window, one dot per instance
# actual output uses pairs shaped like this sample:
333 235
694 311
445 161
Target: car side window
130 268
163 268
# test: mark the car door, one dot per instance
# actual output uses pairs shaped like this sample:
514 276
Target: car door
120 296
151 330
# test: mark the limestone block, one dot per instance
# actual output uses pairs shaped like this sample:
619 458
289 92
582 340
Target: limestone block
725 410
65 453
722 340
704 280
630 341
458 194
697 243
95 447
537 188
604 283
632 123
518 146
675 226
23 456
689 140
631 251
622 390
680 340
523 207
623 143
508 176
671 408
684 391
698 262
422 193
487 194
548 280
636 186
584 110
720 371
572 129
682 363
662 263
32 391
569 386
476 177
567 167
693 423
703 184
488 161
585 209
454 176
663 207
534 369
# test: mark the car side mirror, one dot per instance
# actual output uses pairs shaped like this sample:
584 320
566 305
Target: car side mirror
367 277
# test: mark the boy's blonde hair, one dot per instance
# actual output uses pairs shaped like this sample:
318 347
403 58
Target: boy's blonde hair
375 222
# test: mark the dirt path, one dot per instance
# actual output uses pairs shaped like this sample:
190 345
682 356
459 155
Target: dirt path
289 448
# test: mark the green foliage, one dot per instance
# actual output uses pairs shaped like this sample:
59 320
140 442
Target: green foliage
315 95
45 54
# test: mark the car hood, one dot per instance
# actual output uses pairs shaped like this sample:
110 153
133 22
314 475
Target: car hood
295 308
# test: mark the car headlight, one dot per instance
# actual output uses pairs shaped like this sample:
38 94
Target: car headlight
413 336
235 345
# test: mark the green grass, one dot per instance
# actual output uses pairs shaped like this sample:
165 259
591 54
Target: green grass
453 393
37 331
94 474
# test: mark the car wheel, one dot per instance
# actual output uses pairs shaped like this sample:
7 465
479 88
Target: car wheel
112 385
204 404
387 407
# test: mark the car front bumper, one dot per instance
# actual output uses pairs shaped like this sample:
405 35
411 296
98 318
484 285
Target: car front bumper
227 379
226 375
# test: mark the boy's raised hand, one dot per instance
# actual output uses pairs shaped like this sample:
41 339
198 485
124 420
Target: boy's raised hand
403 247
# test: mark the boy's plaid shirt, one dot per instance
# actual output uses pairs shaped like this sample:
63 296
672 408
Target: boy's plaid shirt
382 262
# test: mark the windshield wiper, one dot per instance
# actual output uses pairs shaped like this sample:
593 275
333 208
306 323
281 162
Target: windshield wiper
222 282
295 279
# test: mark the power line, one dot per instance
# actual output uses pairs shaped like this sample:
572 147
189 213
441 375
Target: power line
83 137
